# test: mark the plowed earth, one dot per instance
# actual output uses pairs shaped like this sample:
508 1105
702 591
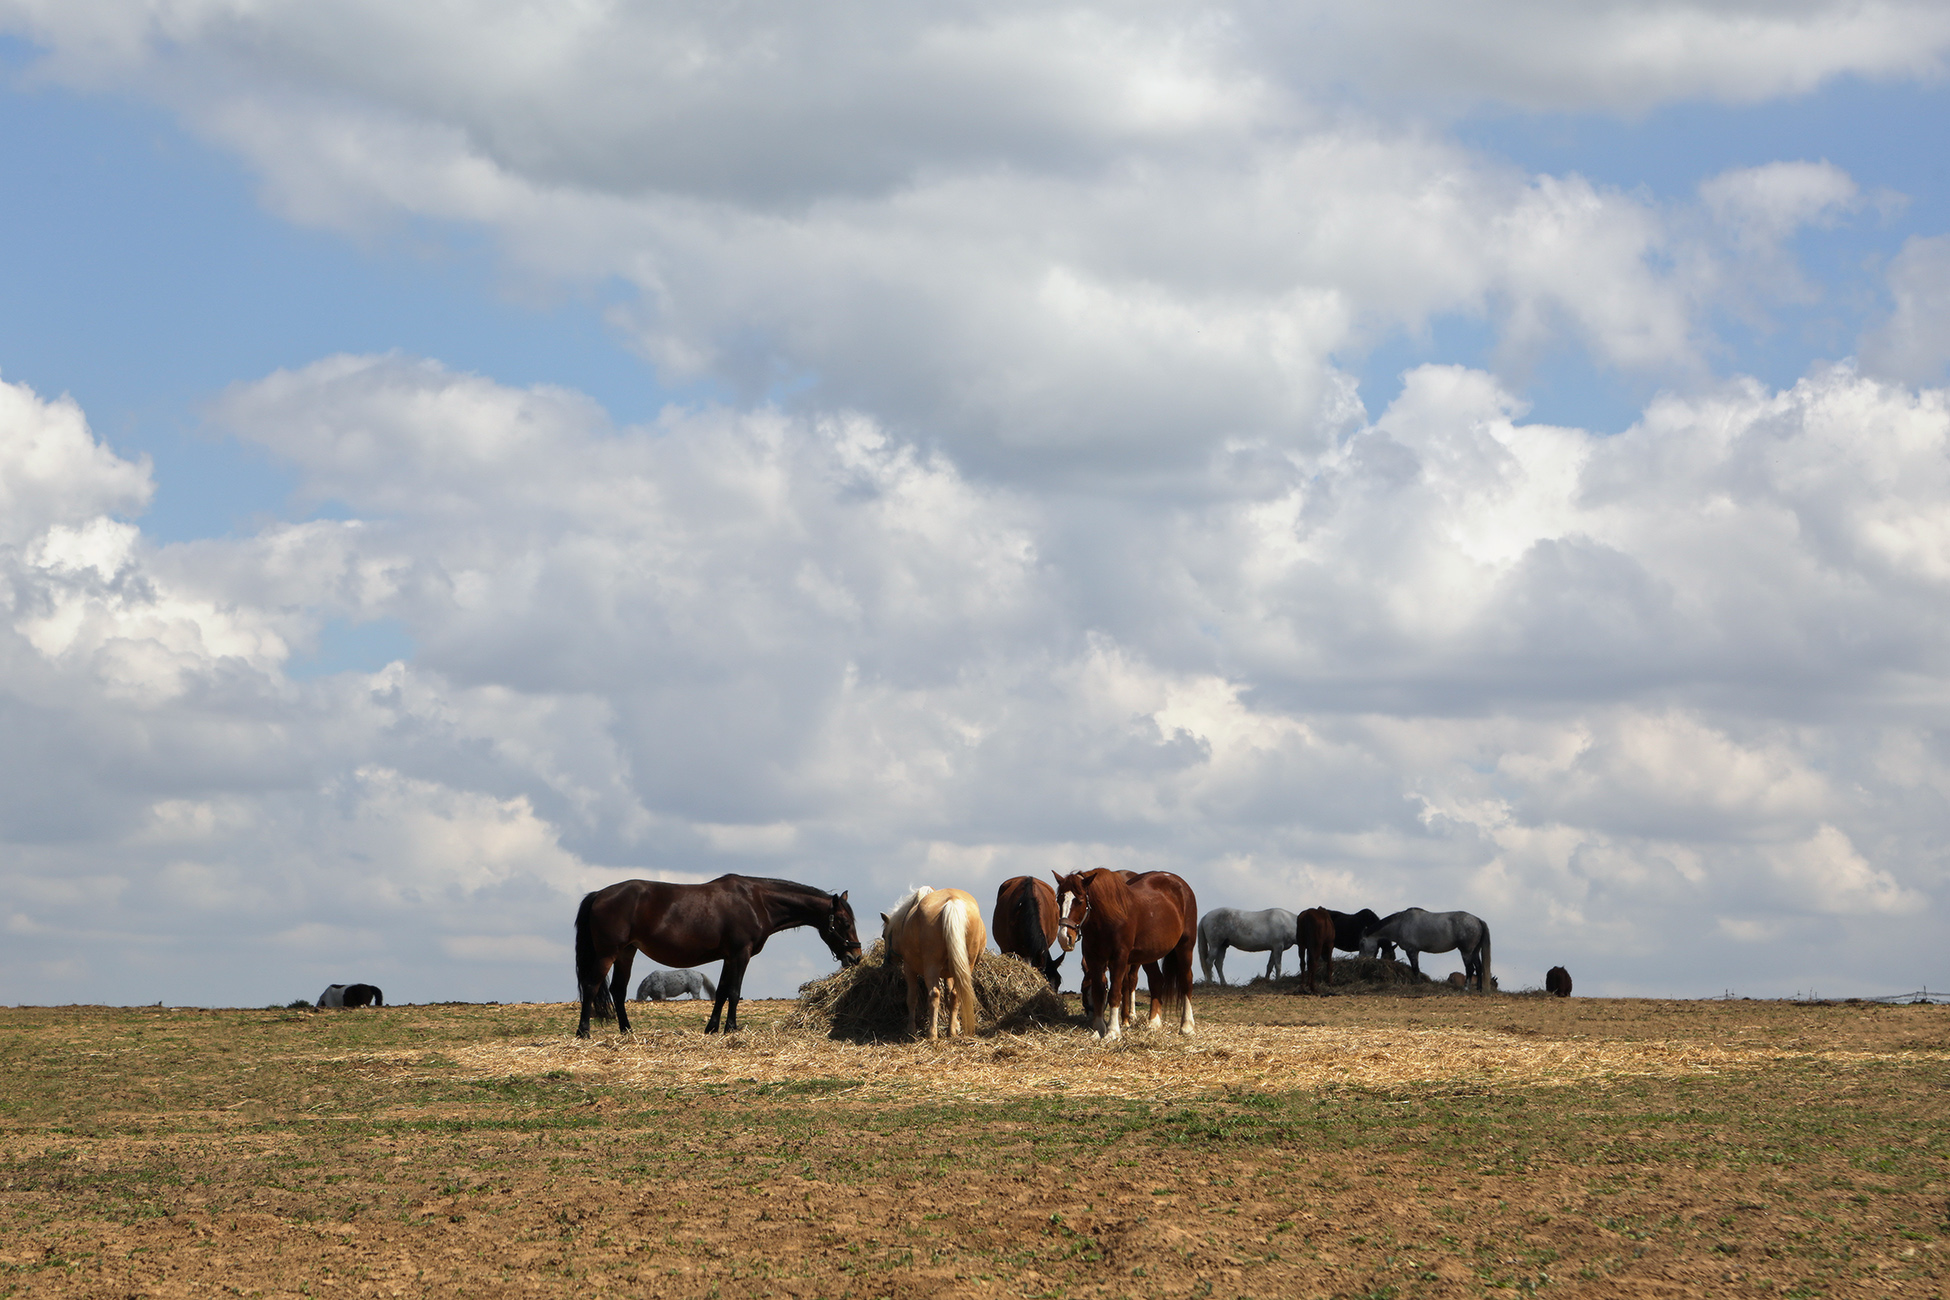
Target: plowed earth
1433 1145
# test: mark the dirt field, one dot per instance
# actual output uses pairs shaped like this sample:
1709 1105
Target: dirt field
1348 1146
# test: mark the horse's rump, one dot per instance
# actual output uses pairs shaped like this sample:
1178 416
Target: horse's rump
1314 931
1025 924
938 935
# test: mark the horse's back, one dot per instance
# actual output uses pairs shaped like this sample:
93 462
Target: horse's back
1169 908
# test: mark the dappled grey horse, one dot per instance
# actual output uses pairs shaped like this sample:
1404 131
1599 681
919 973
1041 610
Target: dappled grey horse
662 985
1419 932
1221 928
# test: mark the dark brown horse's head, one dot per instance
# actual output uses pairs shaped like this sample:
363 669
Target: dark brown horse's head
838 932
1072 906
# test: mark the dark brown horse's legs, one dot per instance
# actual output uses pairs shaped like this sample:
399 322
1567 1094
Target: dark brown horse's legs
731 985
619 987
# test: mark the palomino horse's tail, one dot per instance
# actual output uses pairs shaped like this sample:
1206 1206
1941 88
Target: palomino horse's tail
589 966
961 967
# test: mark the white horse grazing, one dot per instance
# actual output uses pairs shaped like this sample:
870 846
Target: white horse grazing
663 985
938 936
1221 928
1418 932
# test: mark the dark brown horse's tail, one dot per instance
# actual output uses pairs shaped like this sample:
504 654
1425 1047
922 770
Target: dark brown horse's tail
589 966
1029 920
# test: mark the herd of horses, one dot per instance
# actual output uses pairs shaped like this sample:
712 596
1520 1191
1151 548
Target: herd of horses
1123 922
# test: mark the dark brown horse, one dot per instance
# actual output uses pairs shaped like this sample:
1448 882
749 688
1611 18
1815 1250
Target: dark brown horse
729 918
1314 931
1125 922
1557 982
1025 925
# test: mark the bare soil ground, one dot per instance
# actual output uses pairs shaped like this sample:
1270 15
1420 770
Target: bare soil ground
1432 1145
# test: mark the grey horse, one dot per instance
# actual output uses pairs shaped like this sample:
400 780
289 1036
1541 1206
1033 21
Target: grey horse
1418 932
1221 928
662 985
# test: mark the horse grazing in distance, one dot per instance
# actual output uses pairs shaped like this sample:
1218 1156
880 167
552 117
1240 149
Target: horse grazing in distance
726 919
1313 930
1557 982
663 985
1350 926
1149 921
1025 925
351 995
938 936
1270 931
1418 932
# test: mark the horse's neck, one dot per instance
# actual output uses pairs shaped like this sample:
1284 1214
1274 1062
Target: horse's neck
788 908
1110 899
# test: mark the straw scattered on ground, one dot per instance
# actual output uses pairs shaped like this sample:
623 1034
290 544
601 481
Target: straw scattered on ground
1066 1059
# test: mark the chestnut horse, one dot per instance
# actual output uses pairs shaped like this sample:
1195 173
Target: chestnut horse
1025 925
1125 921
938 936
1314 932
687 925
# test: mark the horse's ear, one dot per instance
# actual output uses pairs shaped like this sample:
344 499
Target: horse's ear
841 896
1058 879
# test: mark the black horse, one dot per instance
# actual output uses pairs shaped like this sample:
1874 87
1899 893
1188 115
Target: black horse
687 925
1350 926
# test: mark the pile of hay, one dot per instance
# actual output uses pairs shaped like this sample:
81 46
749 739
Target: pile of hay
1357 975
869 1001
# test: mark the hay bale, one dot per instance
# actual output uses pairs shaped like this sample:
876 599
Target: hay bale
869 1001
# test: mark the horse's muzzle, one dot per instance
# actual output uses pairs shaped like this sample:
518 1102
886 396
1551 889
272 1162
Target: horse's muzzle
851 957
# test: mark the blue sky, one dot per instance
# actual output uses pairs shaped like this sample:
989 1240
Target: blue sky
930 457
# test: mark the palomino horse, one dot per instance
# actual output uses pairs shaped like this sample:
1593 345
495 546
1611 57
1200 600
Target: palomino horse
1270 931
1025 925
687 925
1125 922
938 936
1314 931
1418 932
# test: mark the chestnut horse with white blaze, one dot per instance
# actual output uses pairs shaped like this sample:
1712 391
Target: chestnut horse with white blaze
938 936
1124 922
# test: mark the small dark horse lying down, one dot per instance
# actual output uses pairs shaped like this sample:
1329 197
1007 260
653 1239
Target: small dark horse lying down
729 918
351 995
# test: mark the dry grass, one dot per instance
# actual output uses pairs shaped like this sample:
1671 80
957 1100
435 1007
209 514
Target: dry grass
1060 1057
868 1002
1420 1145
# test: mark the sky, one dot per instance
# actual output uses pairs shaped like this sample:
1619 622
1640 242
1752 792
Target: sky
1479 455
